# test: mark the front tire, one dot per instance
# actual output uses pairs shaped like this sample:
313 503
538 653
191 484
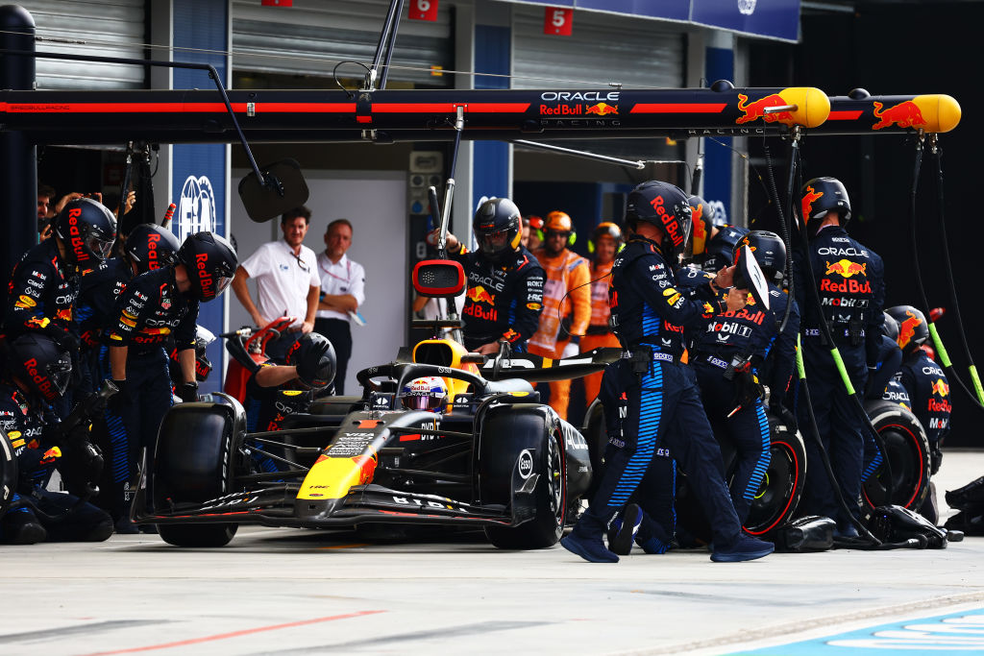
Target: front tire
195 463
508 432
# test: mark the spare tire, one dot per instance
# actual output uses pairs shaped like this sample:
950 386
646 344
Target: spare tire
908 458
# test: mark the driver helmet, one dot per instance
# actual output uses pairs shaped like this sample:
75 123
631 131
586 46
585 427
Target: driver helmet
87 228
665 206
151 247
41 364
427 393
497 227
211 263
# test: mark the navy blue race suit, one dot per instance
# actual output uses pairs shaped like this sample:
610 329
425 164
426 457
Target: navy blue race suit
266 410
655 395
147 314
503 300
25 423
98 292
40 297
850 280
887 364
929 394
744 339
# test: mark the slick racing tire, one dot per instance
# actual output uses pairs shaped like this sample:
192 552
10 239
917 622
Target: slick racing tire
8 473
781 489
908 457
777 497
596 435
195 462
516 442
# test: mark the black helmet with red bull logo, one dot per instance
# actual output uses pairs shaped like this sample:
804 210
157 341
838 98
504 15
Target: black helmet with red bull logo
210 262
720 250
890 327
913 329
87 228
769 251
819 197
314 357
665 206
40 364
702 216
497 227
151 247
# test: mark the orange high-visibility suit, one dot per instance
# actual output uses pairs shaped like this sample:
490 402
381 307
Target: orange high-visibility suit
566 272
598 333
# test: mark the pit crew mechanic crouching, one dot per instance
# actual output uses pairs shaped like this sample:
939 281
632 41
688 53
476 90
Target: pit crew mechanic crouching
35 372
154 306
849 279
928 389
651 388
505 281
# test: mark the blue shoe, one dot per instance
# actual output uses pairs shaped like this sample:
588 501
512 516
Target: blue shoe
653 546
624 530
746 548
592 550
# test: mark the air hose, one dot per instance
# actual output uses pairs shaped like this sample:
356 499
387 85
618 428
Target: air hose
944 357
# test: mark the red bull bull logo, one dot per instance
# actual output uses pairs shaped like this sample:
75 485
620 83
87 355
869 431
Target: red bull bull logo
809 198
700 231
905 115
846 268
756 109
907 329
478 294
602 109
940 387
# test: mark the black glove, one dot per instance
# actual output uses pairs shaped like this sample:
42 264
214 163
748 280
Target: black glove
187 392
81 466
748 389
935 459
784 414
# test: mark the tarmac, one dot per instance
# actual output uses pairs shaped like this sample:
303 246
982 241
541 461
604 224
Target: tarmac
289 591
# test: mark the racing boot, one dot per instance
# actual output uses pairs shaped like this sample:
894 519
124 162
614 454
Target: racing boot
22 527
744 548
624 529
592 548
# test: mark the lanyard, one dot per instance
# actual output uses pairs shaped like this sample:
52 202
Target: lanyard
348 271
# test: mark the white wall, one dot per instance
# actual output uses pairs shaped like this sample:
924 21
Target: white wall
376 204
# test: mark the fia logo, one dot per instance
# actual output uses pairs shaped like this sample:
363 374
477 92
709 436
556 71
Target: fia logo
746 7
196 208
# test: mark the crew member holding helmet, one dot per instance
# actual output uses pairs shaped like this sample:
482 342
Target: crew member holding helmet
505 281
154 307
606 240
566 301
651 388
849 279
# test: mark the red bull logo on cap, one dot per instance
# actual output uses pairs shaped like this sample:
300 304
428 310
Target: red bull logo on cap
756 109
905 115
602 109
846 268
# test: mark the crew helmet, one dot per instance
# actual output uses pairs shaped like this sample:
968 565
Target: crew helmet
769 251
665 206
211 263
605 229
40 363
821 196
497 227
151 247
913 329
314 357
87 228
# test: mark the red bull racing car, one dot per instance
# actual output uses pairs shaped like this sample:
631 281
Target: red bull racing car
493 457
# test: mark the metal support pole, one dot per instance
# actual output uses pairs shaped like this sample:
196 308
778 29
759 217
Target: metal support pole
18 155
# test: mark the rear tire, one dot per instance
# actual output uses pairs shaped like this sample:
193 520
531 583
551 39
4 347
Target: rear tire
510 430
195 463
909 457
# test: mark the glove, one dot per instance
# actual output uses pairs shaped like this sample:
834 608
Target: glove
187 392
784 414
748 389
570 350
81 466
935 459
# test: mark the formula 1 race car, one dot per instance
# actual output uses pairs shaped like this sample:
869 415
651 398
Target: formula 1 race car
494 457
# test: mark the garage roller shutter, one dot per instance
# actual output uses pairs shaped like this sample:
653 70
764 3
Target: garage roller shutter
111 28
311 36
601 49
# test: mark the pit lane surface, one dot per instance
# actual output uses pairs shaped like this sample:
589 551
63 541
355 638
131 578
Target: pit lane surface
275 591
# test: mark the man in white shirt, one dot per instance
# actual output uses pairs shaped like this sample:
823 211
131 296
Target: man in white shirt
287 281
343 286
